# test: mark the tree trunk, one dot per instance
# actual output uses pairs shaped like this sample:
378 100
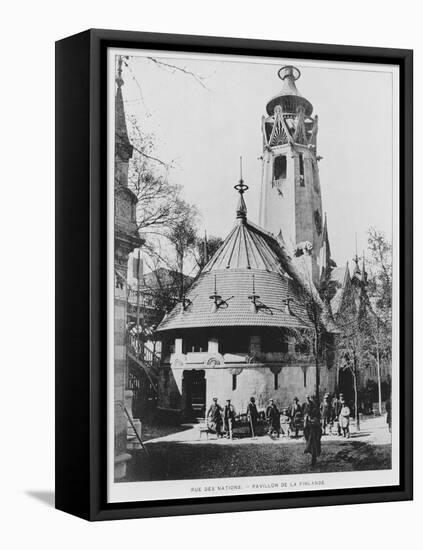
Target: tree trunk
181 275
357 414
316 355
379 385
317 381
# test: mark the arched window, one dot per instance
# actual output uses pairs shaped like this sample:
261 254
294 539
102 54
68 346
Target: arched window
233 382
276 380
301 159
279 168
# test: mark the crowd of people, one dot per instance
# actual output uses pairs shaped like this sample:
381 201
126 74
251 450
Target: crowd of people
311 418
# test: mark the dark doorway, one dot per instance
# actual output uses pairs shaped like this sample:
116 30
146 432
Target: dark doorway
346 386
194 394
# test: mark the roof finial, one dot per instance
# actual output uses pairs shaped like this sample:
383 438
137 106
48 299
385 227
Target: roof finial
356 259
241 211
289 71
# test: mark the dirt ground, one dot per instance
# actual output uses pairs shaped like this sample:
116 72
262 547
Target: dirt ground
186 455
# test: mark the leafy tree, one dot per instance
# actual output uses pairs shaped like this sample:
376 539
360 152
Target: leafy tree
182 234
205 248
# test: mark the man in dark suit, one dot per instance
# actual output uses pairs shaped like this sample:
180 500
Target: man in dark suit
228 418
252 415
295 413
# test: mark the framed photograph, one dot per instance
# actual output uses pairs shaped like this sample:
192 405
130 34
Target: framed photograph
234 274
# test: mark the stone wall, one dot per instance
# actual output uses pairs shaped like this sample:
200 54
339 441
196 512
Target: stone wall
258 382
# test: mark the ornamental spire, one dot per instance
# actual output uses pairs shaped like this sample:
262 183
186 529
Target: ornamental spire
357 271
241 211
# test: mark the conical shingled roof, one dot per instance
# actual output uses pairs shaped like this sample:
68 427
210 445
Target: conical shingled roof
248 262
246 247
235 286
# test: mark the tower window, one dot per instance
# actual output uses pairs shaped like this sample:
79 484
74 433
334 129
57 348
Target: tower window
318 221
279 168
233 382
301 159
276 380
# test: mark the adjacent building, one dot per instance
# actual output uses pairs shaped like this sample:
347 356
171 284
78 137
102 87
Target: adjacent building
126 238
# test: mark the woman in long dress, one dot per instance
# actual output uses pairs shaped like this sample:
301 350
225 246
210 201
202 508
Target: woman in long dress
313 433
344 419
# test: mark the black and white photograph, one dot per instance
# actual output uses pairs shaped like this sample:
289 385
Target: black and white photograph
210 240
253 275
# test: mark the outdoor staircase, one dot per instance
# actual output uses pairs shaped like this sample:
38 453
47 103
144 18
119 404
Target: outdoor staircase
145 360
132 441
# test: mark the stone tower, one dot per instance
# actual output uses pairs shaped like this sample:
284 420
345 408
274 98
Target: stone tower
290 198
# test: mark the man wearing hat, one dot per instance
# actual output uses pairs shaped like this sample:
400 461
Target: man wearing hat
336 410
295 413
326 413
214 417
252 415
228 418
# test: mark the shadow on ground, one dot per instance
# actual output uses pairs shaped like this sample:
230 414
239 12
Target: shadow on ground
153 431
179 460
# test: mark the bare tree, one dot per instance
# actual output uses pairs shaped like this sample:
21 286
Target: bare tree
379 289
157 205
357 339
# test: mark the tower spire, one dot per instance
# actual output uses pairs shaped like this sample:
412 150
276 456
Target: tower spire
123 145
356 260
241 211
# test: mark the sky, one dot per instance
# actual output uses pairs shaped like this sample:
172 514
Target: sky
205 130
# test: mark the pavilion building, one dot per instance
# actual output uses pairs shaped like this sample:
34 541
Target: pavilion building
233 334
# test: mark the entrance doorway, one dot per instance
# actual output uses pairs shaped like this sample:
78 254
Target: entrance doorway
346 386
194 394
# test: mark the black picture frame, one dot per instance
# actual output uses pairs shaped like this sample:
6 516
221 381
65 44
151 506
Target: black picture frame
81 251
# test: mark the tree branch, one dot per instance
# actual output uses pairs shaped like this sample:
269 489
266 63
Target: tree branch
174 68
